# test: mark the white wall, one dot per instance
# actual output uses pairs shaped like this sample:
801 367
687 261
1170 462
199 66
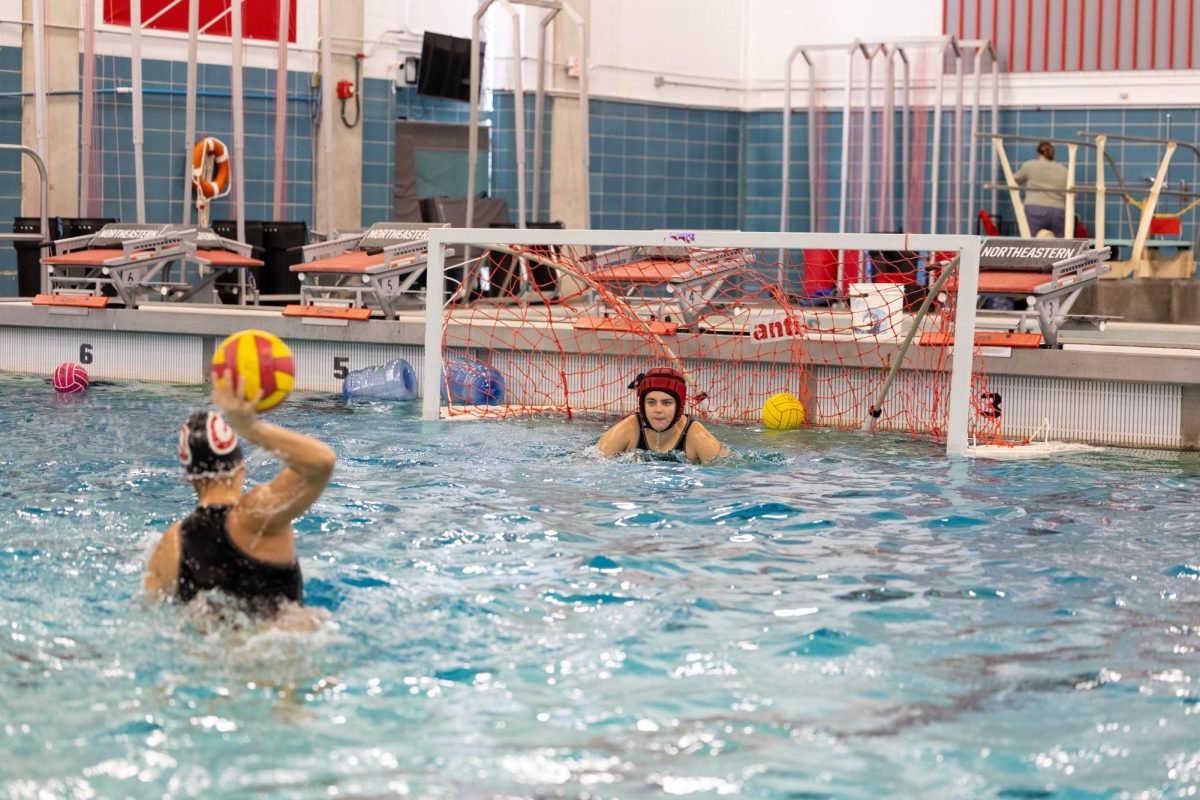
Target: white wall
723 53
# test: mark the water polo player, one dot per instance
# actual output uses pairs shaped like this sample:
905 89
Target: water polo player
660 424
241 544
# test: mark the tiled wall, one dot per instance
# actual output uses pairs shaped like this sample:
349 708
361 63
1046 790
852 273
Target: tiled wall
651 166
165 152
1137 162
10 163
382 106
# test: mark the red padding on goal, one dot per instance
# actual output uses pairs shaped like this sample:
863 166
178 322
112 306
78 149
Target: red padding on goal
653 326
985 339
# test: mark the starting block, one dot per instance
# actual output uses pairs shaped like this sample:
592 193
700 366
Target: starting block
133 263
377 269
1048 274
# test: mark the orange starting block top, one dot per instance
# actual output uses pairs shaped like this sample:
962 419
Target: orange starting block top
648 270
224 258
355 261
327 312
77 300
85 258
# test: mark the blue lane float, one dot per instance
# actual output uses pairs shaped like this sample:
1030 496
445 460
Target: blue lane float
469 382
395 380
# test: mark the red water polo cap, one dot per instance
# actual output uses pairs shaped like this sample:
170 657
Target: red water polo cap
661 379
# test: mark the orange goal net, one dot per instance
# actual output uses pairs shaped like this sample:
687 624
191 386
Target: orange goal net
857 326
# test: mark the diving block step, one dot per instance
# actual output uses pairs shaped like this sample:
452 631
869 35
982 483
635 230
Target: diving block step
327 312
651 326
985 339
73 300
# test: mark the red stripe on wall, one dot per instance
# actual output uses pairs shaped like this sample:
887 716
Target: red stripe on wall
1137 16
962 13
1154 34
1117 39
1191 33
1062 54
1083 26
1028 35
995 20
1046 39
1171 34
1099 35
1012 32
945 11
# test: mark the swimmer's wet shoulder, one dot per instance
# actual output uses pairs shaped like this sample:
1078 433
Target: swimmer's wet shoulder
659 425
242 544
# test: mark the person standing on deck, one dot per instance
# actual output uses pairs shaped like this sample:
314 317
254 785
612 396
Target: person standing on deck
1045 182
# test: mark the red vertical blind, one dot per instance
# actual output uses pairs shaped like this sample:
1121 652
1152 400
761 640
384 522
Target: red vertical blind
260 18
1077 35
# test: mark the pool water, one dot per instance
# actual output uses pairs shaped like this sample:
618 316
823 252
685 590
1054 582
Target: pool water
824 615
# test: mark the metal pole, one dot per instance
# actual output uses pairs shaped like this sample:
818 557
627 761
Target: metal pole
239 121
1101 195
281 100
585 47
518 110
431 365
135 45
190 108
935 160
906 142
785 166
539 111
995 122
473 102
963 355
864 176
844 188
973 141
88 110
956 181
1069 211
888 183
39 89
815 161
327 117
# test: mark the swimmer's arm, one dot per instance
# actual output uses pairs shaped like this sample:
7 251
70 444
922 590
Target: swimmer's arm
162 570
620 437
703 446
308 465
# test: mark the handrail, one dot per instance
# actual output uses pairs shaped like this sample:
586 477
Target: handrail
1143 139
1088 188
44 238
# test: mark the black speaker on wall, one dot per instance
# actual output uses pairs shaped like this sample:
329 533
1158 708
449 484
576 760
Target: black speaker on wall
445 69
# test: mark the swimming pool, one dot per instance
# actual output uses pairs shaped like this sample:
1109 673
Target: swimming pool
824 615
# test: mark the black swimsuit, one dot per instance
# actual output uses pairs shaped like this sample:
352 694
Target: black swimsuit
680 445
209 559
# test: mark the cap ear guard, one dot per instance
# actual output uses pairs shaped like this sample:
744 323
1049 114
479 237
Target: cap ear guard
208 446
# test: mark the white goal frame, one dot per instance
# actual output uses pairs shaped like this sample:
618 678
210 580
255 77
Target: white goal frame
444 240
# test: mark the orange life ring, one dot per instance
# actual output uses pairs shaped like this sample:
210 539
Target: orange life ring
208 146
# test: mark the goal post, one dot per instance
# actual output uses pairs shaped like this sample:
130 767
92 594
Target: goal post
522 322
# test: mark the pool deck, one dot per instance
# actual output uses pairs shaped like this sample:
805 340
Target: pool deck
1130 384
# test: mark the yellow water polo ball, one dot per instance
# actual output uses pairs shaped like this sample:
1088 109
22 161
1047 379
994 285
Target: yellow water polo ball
262 362
783 412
